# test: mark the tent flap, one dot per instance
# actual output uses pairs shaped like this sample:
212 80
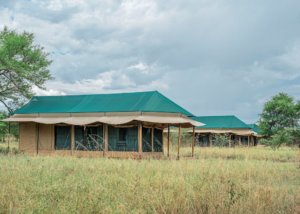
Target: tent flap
111 120
244 132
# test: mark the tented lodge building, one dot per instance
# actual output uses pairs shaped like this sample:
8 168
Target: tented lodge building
238 132
112 125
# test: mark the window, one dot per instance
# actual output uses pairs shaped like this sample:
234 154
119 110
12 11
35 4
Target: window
158 140
203 140
122 134
147 135
122 139
79 137
89 139
62 137
94 138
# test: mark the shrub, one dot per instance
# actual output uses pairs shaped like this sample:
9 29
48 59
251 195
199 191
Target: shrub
4 150
221 140
282 137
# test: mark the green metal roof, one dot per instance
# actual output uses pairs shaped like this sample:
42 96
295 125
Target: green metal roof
221 122
255 128
151 101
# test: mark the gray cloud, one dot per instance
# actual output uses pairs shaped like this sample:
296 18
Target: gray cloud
212 57
52 11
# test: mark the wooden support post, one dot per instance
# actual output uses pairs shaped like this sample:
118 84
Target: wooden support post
163 141
52 137
37 137
140 139
168 142
19 136
72 139
240 140
209 139
105 133
248 140
179 141
8 137
193 141
152 139
229 140
103 139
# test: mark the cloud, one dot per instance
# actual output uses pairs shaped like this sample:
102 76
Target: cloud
44 92
137 77
212 57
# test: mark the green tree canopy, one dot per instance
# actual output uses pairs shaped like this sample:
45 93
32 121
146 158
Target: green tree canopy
23 65
281 112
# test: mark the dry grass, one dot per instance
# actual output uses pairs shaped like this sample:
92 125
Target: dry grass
242 180
284 154
12 147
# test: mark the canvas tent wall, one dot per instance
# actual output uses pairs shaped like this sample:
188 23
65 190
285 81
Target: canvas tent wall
102 122
258 133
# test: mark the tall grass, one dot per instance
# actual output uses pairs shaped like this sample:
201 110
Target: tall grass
217 180
284 154
12 147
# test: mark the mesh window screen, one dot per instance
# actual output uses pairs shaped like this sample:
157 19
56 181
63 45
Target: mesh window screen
147 147
62 137
203 140
89 139
158 140
127 142
244 140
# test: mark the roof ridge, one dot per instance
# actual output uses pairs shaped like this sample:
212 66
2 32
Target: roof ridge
119 93
136 104
151 97
231 121
231 115
169 100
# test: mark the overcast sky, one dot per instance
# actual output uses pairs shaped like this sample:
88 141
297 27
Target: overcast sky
213 57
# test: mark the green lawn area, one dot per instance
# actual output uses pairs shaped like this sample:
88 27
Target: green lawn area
216 180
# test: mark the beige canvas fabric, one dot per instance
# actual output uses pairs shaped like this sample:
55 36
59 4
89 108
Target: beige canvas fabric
242 132
111 120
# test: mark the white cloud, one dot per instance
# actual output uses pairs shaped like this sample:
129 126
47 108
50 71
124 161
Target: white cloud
110 81
140 67
213 57
46 92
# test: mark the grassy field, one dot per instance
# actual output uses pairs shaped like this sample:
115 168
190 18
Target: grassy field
217 180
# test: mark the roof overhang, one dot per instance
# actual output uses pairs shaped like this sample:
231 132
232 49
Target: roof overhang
243 132
115 118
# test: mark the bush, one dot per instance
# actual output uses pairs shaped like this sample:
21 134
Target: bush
6 151
282 137
221 140
296 137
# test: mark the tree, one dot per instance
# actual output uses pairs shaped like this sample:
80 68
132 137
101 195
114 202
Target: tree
22 66
2 128
5 128
298 112
281 112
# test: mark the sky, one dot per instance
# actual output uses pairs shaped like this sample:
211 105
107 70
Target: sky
213 57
